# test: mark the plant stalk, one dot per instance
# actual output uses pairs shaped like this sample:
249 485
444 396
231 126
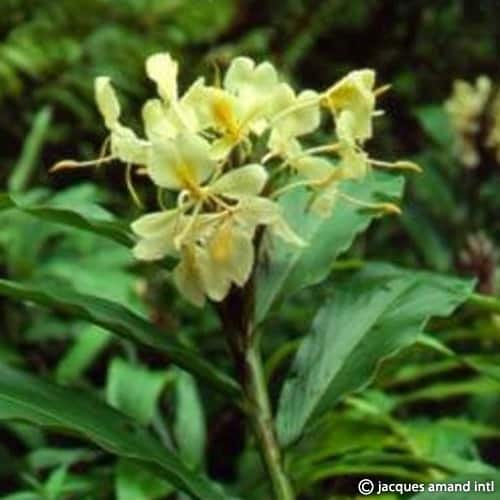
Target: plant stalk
261 418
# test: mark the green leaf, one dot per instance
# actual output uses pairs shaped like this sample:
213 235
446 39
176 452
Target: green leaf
427 239
436 123
55 483
79 216
46 458
445 390
482 364
34 400
371 316
288 268
22 495
189 425
27 162
137 483
88 345
120 320
134 390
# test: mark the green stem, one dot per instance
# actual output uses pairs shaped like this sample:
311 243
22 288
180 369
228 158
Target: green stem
262 423
485 302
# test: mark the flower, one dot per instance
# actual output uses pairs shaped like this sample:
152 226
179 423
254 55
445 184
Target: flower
225 154
465 107
238 109
212 231
352 102
125 145
169 116
294 116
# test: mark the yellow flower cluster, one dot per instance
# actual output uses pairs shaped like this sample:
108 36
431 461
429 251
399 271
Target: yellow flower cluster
229 151
474 112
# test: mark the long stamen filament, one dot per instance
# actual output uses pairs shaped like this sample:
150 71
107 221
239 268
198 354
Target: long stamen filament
131 188
291 186
382 207
296 107
70 164
398 165
178 239
159 198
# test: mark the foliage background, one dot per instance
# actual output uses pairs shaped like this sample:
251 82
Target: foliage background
50 52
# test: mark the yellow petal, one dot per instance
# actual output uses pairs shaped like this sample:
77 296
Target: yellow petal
153 224
221 147
243 181
156 232
157 123
214 277
150 249
254 87
246 79
126 146
187 279
256 210
324 201
282 229
352 100
107 102
162 69
301 119
241 264
181 163
228 258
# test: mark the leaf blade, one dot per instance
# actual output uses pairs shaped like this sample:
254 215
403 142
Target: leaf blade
288 269
73 216
121 321
28 398
390 308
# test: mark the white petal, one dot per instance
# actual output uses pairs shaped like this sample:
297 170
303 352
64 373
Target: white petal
237 74
157 124
281 229
153 224
244 181
107 102
255 210
180 163
254 86
303 120
157 235
195 155
313 167
324 201
353 94
129 148
214 276
354 164
162 69
187 279
241 262
164 164
150 249
221 147
244 78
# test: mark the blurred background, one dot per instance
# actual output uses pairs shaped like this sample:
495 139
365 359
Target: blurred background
50 53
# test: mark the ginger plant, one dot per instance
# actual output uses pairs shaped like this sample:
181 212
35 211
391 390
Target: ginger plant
226 153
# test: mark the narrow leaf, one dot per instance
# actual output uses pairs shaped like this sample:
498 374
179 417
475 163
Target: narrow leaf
33 144
121 321
134 390
76 216
31 399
